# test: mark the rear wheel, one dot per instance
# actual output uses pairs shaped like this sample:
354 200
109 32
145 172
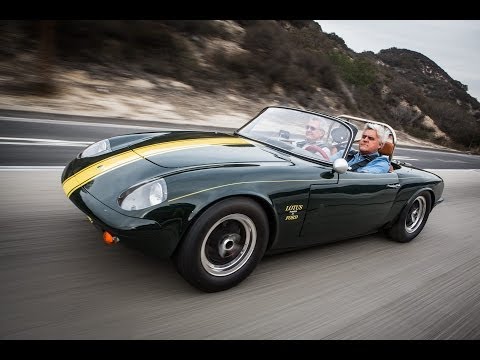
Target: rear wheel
224 245
412 219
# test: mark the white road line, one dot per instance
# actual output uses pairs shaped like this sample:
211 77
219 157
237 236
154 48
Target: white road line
44 142
30 168
403 158
454 161
40 140
451 152
433 170
81 123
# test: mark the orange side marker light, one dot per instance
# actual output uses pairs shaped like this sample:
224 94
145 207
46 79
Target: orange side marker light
109 239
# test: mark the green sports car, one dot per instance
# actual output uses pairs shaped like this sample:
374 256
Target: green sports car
216 203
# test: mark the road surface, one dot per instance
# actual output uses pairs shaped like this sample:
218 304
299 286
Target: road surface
59 281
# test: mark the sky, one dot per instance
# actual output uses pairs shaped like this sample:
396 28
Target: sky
454 45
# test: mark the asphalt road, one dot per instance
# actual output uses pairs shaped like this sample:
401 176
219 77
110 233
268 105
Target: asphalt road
59 281
47 142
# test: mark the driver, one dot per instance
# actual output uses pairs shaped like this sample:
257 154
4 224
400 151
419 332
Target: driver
368 158
314 134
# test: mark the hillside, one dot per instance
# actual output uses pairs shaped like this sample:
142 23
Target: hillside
223 72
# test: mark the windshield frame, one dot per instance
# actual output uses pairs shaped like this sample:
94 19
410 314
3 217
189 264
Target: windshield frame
352 131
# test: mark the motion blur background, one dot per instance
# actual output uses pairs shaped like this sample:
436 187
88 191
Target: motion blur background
222 72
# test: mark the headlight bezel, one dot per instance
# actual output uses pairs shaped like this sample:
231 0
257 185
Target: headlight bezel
144 195
97 148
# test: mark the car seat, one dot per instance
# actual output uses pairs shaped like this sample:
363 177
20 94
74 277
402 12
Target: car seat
387 149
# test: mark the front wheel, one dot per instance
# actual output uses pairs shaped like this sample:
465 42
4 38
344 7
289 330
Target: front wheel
224 245
412 219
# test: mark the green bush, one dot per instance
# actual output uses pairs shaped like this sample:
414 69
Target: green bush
356 71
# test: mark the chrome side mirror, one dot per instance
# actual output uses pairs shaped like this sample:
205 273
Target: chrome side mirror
340 166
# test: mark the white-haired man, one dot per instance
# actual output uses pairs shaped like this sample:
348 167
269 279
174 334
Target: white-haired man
368 159
313 142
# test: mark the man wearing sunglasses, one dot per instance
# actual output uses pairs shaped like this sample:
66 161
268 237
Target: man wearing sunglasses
368 159
314 134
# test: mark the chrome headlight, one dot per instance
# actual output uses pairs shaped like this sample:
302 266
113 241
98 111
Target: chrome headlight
100 147
144 195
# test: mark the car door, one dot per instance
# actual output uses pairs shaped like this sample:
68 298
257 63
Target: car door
357 204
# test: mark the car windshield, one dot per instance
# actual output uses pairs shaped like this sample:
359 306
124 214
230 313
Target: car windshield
299 132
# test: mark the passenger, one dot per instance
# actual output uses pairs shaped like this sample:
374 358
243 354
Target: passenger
314 134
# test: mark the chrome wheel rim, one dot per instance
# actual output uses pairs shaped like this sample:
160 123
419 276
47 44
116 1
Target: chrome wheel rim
415 214
228 244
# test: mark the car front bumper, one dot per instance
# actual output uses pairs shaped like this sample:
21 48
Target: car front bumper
144 234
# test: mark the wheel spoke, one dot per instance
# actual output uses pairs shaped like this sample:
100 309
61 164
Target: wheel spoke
228 245
416 214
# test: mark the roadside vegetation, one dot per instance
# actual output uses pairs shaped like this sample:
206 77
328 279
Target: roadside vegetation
288 62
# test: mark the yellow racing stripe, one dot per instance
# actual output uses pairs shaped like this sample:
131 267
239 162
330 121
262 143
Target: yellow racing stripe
156 149
106 165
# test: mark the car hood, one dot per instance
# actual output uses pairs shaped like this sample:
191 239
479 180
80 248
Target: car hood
144 158
182 149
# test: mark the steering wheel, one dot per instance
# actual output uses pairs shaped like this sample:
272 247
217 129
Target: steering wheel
317 149
279 143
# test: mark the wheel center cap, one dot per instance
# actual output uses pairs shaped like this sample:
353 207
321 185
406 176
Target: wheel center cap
227 244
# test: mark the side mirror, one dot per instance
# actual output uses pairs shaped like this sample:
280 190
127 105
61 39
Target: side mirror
340 166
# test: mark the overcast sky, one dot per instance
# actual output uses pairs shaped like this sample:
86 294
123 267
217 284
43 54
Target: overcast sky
454 45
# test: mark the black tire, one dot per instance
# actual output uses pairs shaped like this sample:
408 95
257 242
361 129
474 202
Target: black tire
412 219
224 245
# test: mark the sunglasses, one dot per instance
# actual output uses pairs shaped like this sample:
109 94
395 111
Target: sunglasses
310 127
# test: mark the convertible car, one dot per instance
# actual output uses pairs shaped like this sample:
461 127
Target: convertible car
216 203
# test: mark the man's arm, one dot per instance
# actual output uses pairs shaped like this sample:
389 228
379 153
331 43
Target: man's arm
337 155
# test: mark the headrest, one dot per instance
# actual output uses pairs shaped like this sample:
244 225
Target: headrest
387 149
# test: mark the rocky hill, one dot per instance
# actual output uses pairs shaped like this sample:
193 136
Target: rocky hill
224 72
